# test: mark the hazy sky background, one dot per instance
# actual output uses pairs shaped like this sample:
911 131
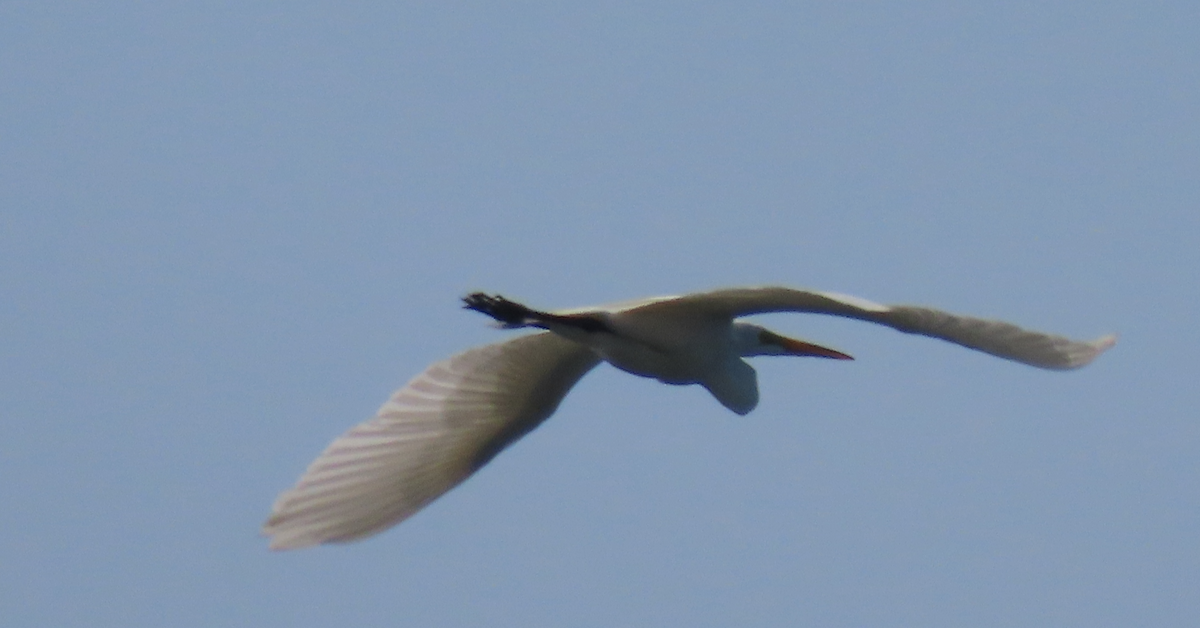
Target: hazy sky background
228 230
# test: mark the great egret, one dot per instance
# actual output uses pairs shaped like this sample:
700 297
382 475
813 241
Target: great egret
459 413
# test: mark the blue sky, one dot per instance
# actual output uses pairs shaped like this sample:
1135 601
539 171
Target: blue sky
229 230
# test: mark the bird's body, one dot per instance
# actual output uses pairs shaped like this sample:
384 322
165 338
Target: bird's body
459 413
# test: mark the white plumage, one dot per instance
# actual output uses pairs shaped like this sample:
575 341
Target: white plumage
459 413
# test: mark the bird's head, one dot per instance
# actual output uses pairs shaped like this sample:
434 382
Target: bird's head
754 340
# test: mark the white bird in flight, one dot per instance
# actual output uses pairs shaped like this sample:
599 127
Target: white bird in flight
459 413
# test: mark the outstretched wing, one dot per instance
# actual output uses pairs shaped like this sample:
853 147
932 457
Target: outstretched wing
431 435
998 338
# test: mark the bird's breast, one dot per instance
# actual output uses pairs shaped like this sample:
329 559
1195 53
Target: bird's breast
667 365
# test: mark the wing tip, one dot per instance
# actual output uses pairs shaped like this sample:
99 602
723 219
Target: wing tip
284 532
1093 349
281 539
1104 343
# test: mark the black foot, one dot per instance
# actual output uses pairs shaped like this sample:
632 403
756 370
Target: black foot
508 312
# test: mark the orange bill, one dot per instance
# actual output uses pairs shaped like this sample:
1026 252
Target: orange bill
801 348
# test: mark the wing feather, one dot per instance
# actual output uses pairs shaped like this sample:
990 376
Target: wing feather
431 435
998 338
